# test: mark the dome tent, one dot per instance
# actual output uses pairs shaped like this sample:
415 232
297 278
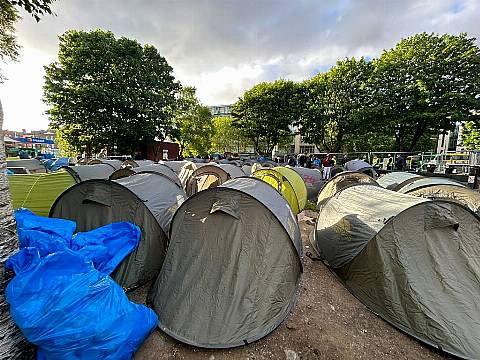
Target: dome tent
187 170
136 163
116 164
211 175
391 250
176 166
336 169
288 183
341 181
148 200
360 166
396 179
89 172
155 168
422 182
232 268
312 179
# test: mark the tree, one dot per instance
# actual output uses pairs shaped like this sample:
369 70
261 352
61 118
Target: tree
227 137
193 126
425 85
37 8
335 105
8 42
471 136
266 112
109 93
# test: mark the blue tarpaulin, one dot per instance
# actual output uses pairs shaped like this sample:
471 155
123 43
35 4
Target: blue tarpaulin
62 297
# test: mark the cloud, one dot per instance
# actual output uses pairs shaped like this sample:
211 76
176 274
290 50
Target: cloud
223 47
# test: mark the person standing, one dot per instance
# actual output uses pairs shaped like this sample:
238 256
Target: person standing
327 166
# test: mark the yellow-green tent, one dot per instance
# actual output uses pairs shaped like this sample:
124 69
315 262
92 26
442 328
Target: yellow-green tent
38 192
288 183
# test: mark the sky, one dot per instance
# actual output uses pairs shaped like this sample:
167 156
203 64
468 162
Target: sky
224 47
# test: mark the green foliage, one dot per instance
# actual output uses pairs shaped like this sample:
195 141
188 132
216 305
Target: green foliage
36 8
333 105
193 125
8 42
64 146
109 93
227 137
471 136
424 86
265 113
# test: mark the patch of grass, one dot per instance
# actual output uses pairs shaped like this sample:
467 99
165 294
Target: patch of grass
311 206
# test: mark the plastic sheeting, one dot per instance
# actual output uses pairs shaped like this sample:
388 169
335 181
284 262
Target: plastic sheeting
414 262
233 266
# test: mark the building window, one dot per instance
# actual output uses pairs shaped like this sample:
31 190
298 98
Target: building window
307 149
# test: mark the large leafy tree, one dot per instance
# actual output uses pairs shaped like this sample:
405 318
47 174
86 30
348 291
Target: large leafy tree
335 105
425 85
193 125
105 92
227 137
471 136
266 112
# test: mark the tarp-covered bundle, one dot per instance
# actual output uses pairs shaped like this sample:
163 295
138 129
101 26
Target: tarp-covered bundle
89 172
62 298
211 175
38 192
341 181
148 200
360 166
233 266
34 166
152 168
414 262
288 183
312 179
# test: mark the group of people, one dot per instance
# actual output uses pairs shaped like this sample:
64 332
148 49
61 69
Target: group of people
310 161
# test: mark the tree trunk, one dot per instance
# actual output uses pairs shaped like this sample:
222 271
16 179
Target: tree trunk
12 344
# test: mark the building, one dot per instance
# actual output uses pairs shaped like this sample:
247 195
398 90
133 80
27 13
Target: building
36 142
451 140
221 110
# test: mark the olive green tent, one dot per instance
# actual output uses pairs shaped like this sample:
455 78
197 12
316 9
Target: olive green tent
414 262
148 200
38 192
232 268
211 175
341 181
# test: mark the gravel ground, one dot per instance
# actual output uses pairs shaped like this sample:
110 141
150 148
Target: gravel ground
327 323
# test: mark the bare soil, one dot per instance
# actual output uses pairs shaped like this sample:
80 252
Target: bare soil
327 323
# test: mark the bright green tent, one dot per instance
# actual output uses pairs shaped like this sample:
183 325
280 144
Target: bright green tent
38 192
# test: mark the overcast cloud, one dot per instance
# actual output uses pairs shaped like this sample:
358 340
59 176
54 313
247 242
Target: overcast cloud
224 47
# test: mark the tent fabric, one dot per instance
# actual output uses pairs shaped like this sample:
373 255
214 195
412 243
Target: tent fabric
391 251
146 199
341 181
462 195
38 192
360 166
115 164
396 179
34 166
211 175
154 168
336 169
313 180
232 269
187 170
137 163
421 182
90 172
176 166
288 183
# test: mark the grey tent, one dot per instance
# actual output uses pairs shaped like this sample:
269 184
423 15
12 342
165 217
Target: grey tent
155 168
148 200
34 166
115 164
341 181
462 195
187 170
336 169
414 262
211 175
176 166
396 179
89 172
421 182
361 166
137 163
232 268
312 179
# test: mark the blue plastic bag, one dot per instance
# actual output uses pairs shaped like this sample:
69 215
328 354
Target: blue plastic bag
71 310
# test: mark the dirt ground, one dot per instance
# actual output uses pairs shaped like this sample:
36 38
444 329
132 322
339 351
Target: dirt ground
327 323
